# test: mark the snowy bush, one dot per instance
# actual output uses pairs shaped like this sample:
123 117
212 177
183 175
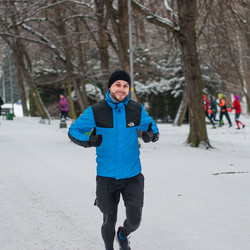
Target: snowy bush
93 92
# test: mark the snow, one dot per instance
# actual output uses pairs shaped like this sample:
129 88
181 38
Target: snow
195 199
162 20
94 92
170 10
18 109
162 86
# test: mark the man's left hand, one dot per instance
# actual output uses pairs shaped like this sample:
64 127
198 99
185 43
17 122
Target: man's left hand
149 135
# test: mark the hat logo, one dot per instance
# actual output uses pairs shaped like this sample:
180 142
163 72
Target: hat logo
131 124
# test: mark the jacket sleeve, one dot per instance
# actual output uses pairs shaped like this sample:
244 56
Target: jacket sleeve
79 130
145 121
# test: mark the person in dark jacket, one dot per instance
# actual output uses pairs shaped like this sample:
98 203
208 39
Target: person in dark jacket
1 103
115 122
213 108
223 111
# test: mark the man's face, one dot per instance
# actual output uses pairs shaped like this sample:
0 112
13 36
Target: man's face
119 90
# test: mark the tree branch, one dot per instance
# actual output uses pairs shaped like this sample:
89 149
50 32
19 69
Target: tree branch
155 19
60 2
2 34
170 10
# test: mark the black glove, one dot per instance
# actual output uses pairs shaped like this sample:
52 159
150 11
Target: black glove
148 136
155 137
95 140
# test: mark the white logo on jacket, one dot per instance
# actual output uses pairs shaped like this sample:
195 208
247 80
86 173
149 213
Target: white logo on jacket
131 124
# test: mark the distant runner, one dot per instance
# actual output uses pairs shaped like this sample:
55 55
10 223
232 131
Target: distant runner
237 108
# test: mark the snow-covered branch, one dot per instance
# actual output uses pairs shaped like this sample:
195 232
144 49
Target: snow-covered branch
78 16
155 19
58 3
46 41
170 10
237 15
4 34
39 19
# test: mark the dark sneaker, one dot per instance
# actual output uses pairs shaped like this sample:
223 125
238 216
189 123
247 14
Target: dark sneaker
230 125
243 126
238 128
123 242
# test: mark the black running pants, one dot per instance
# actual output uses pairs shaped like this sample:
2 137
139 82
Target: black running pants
132 222
227 116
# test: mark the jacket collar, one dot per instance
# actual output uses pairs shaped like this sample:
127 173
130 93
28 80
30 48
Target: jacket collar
114 104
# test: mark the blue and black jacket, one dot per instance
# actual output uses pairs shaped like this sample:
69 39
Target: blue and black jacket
118 154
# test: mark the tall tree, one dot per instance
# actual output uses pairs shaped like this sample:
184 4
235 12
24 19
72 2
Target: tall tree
102 42
119 21
186 36
22 60
60 26
101 39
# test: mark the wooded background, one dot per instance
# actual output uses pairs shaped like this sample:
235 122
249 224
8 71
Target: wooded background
182 50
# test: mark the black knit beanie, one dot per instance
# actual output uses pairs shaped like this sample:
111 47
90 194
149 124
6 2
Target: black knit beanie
119 75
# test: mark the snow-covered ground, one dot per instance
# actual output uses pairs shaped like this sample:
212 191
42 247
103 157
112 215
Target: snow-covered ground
195 199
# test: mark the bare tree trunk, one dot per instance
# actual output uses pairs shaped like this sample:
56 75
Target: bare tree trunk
42 109
82 88
24 70
78 93
61 28
84 92
242 75
187 39
81 81
141 32
186 36
18 52
103 43
21 89
71 103
120 28
179 118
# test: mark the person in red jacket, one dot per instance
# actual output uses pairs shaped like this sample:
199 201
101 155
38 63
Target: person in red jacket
237 108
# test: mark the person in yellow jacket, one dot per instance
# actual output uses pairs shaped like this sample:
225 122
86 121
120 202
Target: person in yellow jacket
223 111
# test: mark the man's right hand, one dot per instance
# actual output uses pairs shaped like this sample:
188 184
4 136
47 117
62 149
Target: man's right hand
95 140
